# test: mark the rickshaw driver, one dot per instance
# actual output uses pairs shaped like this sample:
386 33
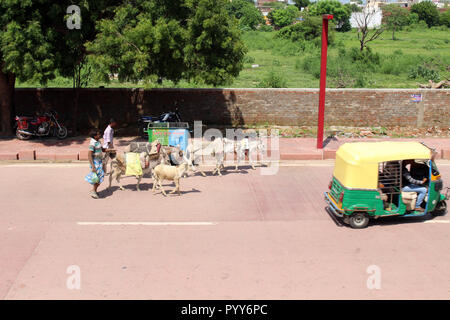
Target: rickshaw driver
413 185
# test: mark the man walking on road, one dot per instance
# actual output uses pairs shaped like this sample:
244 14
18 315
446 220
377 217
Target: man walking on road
108 135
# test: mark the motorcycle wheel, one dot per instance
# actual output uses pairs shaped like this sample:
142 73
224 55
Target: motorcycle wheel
61 133
22 136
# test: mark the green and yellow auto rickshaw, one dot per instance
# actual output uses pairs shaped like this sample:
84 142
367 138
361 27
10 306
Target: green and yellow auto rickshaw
368 182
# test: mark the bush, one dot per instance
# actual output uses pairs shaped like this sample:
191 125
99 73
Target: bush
248 59
273 80
427 11
420 25
444 18
398 63
424 72
311 64
367 57
341 73
283 17
265 28
248 15
413 18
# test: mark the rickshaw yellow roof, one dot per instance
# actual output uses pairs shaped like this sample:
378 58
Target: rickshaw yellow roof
363 152
357 163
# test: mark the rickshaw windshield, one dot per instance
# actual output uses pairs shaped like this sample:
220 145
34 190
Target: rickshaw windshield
434 169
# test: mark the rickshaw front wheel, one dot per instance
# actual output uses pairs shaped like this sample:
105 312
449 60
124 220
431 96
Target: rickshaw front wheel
359 220
441 209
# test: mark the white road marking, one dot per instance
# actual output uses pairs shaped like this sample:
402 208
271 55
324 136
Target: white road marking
149 223
437 221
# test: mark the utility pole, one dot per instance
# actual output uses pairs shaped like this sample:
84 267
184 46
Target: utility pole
323 79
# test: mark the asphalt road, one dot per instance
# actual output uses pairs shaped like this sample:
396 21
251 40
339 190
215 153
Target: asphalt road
240 236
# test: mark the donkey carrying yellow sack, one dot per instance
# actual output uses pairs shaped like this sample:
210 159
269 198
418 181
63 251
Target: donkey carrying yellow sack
134 167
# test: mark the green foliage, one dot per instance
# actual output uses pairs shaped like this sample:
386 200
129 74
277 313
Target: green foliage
420 25
302 3
444 18
341 14
309 29
25 41
195 40
283 17
265 28
272 80
248 59
300 61
367 57
246 12
427 11
275 5
311 64
413 18
424 72
353 7
35 41
395 17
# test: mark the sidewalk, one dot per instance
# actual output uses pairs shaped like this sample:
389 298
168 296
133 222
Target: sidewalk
73 149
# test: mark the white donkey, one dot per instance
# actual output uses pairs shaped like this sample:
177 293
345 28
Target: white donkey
198 149
245 147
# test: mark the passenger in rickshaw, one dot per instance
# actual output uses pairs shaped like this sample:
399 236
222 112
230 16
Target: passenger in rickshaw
412 183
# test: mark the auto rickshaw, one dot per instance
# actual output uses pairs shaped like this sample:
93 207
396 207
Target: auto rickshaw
367 182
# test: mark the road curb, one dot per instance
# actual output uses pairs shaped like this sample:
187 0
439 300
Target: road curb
82 155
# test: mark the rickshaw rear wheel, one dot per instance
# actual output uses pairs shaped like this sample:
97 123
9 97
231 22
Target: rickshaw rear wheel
359 220
441 209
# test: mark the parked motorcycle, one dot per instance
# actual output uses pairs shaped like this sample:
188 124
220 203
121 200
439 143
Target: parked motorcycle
170 117
43 125
165 117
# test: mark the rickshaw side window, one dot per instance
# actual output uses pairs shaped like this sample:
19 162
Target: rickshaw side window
390 180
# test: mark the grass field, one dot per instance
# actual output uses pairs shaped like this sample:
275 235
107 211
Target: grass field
296 65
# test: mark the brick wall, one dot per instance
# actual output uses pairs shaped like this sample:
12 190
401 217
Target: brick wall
350 107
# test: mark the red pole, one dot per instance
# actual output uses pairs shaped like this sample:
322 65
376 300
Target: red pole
323 79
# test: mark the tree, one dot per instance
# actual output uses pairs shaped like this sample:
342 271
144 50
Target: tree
341 14
35 42
309 29
395 18
444 19
25 52
427 11
353 7
283 17
151 40
301 3
367 32
71 54
244 10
